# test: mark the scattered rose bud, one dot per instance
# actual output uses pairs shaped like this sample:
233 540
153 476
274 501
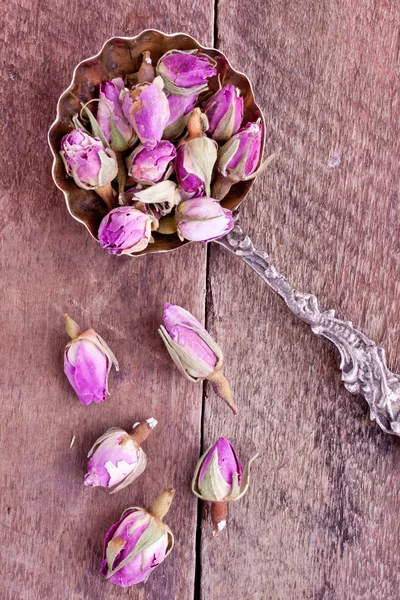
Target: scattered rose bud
185 73
224 111
117 458
115 126
194 351
92 166
219 478
125 230
87 363
146 108
149 166
138 543
179 109
196 157
202 220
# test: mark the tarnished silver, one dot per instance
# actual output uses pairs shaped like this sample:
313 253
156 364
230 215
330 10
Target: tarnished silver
363 363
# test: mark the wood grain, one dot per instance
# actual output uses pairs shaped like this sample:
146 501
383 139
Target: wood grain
52 526
321 518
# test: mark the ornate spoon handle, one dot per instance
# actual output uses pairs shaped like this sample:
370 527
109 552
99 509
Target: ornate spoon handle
363 363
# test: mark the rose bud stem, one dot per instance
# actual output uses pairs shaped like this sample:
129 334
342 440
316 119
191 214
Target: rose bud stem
219 515
71 327
222 388
146 72
195 125
106 193
161 505
121 177
221 187
142 430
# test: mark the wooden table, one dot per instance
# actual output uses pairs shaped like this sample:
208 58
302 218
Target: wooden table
321 519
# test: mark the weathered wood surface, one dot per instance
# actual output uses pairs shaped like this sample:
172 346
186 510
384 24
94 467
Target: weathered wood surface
321 518
52 526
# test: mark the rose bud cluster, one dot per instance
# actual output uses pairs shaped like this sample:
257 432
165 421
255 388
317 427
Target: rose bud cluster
180 122
194 351
138 543
87 363
220 478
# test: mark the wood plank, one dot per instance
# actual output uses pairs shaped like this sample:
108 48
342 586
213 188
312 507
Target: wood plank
321 518
53 526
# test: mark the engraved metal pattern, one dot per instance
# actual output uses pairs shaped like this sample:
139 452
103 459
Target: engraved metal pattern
363 363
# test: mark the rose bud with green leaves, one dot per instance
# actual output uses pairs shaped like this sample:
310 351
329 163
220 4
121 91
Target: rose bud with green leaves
202 220
196 157
194 351
87 363
116 458
138 543
185 73
219 478
179 109
147 110
238 159
116 128
125 230
224 111
149 166
91 165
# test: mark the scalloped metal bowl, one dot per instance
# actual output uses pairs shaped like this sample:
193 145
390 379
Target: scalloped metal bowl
119 57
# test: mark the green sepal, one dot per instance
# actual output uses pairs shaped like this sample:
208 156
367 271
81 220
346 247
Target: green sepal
138 470
245 481
96 130
185 361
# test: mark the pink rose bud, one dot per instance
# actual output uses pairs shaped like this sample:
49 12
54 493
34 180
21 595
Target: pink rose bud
203 220
219 478
196 157
112 121
146 108
138 543
185 73
149 166
125 230
179 109
117 458
194 351
224 111
87 161
87 363
238 159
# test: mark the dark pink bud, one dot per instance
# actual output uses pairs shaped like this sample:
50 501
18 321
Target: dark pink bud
224 111
149 166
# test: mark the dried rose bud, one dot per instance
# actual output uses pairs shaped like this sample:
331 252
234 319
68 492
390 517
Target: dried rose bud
146 108
163 195
125 230
138 543
112 121
149 166
86 160
117 458
185 73
219 478
196 157
87 363
194 351
238 159
224 111
179 109
202 220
